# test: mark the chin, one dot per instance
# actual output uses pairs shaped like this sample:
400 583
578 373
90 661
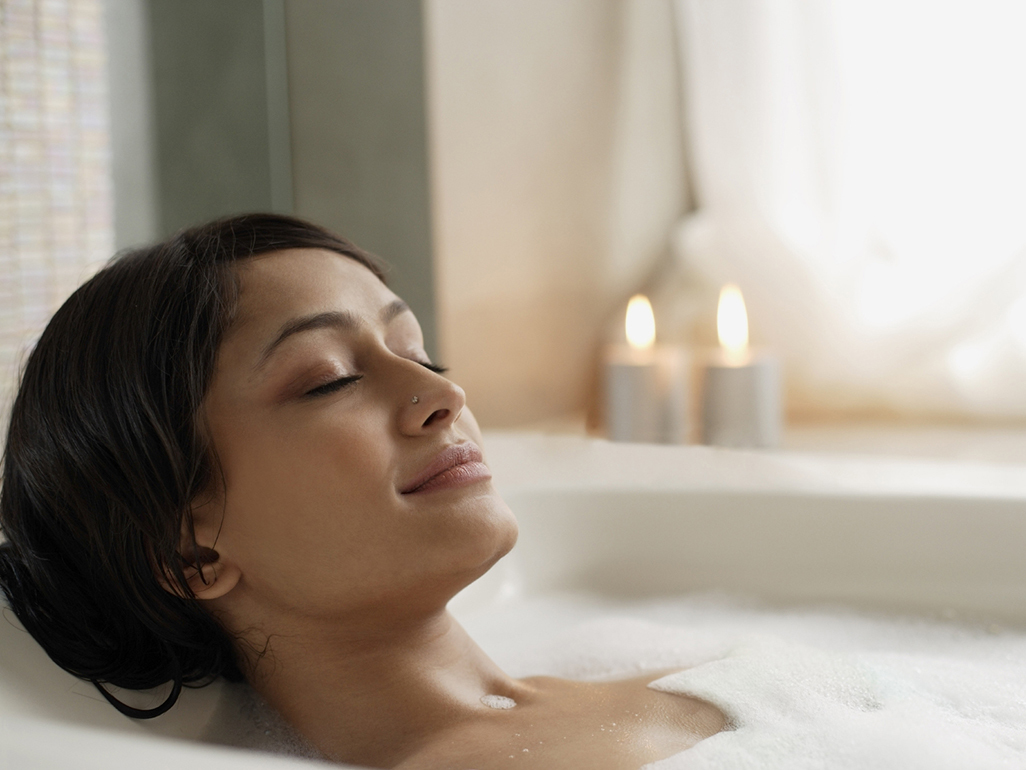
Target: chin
508 539
488 536
500 532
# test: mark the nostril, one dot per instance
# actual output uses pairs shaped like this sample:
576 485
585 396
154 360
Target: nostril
438 414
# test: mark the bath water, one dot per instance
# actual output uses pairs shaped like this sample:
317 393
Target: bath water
801 688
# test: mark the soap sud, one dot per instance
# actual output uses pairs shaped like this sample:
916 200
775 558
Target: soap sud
801 688
498 702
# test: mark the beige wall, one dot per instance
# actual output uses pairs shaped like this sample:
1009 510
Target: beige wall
557 173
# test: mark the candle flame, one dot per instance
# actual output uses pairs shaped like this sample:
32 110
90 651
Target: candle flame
640 322
732 321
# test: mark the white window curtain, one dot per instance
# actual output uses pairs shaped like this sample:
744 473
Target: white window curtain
55 198
860 171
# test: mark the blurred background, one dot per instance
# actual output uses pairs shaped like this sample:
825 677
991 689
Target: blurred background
857 167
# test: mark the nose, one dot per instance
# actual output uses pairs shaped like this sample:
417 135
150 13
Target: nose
434 403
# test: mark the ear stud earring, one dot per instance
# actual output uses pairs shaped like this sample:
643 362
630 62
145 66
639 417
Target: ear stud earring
415 400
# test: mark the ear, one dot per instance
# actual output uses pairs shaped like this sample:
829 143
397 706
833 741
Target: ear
208 575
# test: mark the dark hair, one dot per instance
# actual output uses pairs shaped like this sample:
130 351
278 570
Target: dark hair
104 457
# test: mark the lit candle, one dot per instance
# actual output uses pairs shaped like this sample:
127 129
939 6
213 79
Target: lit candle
741 393
646 383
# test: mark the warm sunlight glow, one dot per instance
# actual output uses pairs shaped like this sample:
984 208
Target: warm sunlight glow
732 321
640 322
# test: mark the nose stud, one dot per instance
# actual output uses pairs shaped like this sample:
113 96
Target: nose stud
415 400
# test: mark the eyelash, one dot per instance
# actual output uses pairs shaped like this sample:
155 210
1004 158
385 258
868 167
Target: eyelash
342 382
334 385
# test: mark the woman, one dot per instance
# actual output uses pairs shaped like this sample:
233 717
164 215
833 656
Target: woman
231 456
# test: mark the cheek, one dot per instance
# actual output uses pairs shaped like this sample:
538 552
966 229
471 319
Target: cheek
308 496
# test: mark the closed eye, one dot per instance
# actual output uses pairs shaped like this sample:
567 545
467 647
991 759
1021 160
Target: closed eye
342 382
334 385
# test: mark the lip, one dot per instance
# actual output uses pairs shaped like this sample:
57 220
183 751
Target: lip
455 466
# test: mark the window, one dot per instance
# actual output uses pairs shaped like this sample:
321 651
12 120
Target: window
55 199
860 170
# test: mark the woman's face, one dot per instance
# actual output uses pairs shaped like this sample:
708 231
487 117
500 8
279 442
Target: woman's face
327 420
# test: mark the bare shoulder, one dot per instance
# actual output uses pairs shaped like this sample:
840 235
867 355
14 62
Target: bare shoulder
617 725
680 714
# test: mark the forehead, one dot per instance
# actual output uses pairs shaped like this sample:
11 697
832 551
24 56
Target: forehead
281 285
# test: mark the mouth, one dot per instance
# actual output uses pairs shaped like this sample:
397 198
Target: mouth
455 466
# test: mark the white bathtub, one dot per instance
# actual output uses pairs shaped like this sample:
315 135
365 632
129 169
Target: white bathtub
629 521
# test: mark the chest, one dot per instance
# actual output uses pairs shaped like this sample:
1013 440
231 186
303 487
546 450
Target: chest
615 726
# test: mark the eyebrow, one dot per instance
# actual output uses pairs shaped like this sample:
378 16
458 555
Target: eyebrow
334 319
393 309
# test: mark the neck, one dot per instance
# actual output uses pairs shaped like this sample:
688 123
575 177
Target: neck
370 692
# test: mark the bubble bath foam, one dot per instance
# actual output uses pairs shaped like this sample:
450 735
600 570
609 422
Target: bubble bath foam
800 687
